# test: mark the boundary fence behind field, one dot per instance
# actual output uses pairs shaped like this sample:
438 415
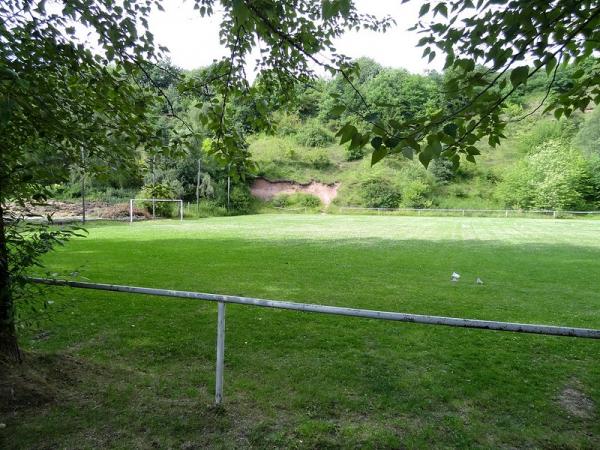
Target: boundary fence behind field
469 212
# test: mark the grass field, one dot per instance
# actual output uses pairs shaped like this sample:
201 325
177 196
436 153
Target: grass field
130 371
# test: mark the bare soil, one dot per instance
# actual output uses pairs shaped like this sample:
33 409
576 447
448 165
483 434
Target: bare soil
61 210
575 402
266 189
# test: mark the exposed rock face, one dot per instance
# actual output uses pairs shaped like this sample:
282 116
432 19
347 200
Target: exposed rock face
266 190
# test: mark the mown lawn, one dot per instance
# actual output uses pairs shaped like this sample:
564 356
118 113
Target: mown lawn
108 370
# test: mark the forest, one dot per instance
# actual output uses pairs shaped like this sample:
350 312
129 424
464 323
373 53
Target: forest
544 163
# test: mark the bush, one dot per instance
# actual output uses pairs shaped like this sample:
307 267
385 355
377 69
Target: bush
588 138
287 124
206 208
296 199
240 199
159 191
306 200
442 170
379 193
320 160
313 134
281 201
414 194
353 154
552 177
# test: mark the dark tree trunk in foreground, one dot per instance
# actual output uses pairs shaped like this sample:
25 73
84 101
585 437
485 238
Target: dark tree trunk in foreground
9 346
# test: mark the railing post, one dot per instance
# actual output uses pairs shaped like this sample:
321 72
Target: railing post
220 353
130 211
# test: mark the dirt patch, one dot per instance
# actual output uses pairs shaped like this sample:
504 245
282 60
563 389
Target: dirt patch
574 401
39 380
60 210
266 189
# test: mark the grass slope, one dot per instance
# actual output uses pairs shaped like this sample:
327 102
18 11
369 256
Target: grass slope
474 186
138 372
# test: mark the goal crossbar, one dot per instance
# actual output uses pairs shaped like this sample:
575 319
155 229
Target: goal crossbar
133 200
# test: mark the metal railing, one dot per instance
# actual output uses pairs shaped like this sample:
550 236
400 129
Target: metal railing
473 211
323 309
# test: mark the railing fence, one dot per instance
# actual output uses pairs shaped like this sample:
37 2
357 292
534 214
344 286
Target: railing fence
323 309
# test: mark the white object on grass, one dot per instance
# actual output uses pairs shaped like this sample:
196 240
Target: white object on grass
455 276
479 281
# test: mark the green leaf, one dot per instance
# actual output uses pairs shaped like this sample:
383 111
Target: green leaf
425 157
424 9
378 155
519 75
337 110
376 142
408 152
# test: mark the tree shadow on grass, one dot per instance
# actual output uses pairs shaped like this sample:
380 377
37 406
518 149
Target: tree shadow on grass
426 385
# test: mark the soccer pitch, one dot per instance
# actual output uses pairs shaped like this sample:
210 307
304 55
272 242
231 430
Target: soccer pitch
141 369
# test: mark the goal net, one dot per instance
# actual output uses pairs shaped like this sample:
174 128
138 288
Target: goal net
152 202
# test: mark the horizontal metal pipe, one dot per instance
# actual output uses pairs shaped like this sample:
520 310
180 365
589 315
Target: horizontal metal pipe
520 211
156 200
308 307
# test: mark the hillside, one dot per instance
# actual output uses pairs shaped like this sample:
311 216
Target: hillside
399 182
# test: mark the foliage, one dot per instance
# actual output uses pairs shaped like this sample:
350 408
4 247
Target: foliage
59 99
320 160
356 153
313 134
551 177
494 49
415 193
159 191
442 170
296 199
588 137
240 200
378 193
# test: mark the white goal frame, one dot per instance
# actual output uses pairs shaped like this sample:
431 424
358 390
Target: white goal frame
132 200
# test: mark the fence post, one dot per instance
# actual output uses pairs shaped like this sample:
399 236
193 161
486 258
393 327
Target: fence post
554 214
220 353
130 211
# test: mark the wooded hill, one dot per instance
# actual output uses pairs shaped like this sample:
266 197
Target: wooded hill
543 163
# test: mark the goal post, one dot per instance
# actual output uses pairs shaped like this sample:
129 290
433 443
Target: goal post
153 200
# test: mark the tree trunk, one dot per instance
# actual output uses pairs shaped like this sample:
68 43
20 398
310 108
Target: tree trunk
9 346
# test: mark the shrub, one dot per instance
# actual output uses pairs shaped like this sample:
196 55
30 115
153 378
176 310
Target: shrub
288 124
320 160
240 199
379 193
159 190
281 201
353 154
414 194
552 177
313 134
588 138
296 199
442 170
306 200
